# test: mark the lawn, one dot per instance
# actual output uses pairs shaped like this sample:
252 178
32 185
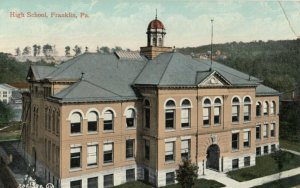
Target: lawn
290 145
266 165
200 183
282 183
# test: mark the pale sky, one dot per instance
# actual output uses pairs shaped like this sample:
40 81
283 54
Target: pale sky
124 23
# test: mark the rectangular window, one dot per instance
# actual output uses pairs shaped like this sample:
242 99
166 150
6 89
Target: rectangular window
258 151
217 112
75 157
170 115
170 178
108 153
273 148
75 184
185 117
147 149
235 141
130 175
93 182
129 148
169 151
206 115
272 130
108 121
75 127
108 181
92 154
265 130
258 132
247 161
185 149
235 113
266 149
4 93
247 112
147 117
92 126
247 139
235 163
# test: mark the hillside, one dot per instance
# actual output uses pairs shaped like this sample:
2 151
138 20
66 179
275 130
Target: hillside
275 62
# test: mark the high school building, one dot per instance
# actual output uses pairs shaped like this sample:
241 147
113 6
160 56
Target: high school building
100 120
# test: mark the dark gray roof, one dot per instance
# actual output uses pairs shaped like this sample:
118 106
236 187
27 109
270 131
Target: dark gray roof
40 71
265 90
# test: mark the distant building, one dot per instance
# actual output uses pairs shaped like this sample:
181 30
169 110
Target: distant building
6 92
100 120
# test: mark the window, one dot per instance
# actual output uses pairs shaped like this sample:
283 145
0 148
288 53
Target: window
130 175
265 130
272 108
235 141
258 151
217 111
92 121
247 161
185 113
92 154
272 130
169 151
273 148
130 118
247 139
4 93
266 108
247 109
75 123
75 157
108 120
206 112
147 149
147 114
235 109
170 115
185 149
258 132
258 109
108 153
170 178
235 163
154 41
266 149
129 148
108 180
93 182
75 184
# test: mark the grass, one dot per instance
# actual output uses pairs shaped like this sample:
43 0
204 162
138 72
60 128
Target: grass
266 165
295 146
282 183
14 126
10 136
200 183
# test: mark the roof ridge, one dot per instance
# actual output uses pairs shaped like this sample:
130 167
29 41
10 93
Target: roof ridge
165 69
140 72
103 88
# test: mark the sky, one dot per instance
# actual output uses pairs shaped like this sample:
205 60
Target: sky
123 23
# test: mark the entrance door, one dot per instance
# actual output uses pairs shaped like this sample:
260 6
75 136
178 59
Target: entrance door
212 156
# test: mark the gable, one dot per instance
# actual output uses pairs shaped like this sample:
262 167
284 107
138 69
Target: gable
214 79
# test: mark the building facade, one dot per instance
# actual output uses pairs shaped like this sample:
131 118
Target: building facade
6 93
100 120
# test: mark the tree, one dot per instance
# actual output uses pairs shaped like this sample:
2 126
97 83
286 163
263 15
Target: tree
105 49
38 50
77 50
47 50
26 50
187 174
98 50
86 49
6 113
67 50
35 50
18 51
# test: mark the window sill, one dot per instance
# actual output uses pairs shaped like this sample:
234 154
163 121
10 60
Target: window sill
185 128
75 169
206 126
130 159
92 166
246 122
217 125
108 131
247 147
108 164
258 139
234 150
169 162
130 128
93 132
235 123
169 129
76 134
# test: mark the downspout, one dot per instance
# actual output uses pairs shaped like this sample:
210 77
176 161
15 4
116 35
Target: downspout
197 135
157 136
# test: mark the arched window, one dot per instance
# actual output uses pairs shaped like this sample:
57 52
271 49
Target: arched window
154 42
217 111
235 109
130 118
108 121
147 114
206 112
247 109
170 115
76 119
272 108
185 113
160 42
92 121
266 108
258 109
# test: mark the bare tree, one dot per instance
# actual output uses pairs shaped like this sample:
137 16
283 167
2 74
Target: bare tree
18 51
67 50
26 50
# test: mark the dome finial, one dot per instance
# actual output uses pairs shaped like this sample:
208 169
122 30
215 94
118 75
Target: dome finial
156 13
